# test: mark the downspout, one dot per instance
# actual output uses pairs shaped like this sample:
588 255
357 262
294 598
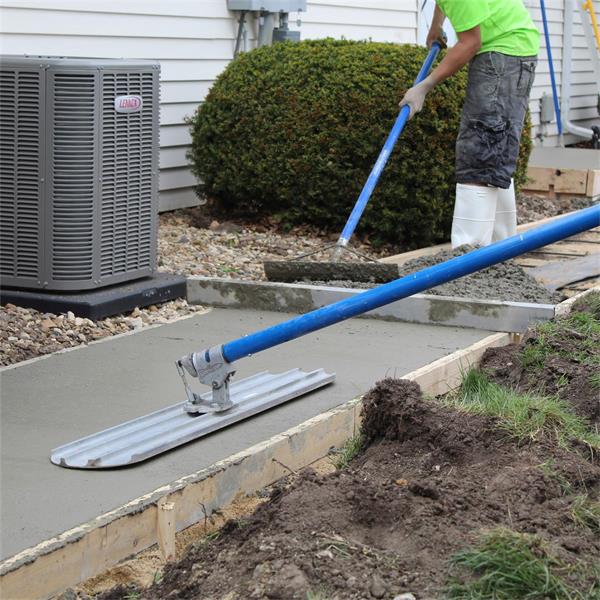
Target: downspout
566 76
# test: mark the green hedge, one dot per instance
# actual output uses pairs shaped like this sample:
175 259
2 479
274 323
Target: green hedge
293 130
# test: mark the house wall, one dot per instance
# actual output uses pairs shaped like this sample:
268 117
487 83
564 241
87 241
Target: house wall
194 40
584 91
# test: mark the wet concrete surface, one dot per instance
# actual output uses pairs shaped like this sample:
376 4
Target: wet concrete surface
58 399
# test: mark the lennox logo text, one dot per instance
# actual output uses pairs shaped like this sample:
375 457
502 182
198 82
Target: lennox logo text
128 104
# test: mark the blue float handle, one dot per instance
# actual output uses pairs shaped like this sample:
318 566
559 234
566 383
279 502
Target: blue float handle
397 129
454 268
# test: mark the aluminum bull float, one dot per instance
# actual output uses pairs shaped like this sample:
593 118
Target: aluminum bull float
227 402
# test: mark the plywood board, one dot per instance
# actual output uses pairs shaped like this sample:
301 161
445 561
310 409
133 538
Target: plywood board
555 275
544 179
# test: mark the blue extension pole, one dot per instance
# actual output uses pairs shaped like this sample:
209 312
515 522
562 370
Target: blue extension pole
454 268
551 64
397 129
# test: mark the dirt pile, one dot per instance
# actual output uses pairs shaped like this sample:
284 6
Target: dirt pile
431 479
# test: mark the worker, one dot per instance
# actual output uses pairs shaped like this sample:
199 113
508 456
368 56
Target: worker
500 42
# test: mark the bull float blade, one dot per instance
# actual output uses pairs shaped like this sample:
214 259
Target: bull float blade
157 432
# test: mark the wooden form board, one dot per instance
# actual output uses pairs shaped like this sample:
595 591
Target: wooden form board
83 552
563 181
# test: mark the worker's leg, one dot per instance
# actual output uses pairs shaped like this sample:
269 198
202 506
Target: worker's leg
488 144
505 223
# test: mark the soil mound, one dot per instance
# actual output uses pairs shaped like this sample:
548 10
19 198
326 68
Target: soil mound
428 483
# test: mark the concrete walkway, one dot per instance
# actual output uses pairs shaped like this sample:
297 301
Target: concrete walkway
58 399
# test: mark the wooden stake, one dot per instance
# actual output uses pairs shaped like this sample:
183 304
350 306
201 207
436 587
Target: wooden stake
166 528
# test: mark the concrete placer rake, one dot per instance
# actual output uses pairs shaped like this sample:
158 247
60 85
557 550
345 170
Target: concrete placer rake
228 403
300 269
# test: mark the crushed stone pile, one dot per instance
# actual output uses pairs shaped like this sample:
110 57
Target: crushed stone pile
505 281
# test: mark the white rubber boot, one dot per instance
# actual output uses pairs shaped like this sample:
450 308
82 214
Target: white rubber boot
505 224
474 215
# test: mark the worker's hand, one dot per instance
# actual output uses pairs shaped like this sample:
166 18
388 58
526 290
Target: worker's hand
436 34
415 97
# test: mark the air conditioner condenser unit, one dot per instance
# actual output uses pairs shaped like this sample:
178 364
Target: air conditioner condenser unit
78 171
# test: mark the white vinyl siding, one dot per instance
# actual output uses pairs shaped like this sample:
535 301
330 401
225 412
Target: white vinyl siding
584 89
193 40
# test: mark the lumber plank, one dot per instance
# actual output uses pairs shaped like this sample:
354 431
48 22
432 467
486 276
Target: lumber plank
592 236
593 184
529 262
165 529
406 256
545 179
557 274
556 253
565 307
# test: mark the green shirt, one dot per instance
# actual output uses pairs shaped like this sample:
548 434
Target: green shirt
506 26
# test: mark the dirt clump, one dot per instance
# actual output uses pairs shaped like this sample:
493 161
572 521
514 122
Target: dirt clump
429 480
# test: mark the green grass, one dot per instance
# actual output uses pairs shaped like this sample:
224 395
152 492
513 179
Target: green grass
586 512
584 326
524 416
590 302
550 472
595 380
348 451
507 565
158 576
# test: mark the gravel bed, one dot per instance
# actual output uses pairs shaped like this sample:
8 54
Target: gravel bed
531 207
26 333
231 250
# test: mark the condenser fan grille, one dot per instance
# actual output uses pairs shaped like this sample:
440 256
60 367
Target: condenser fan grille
127 150
20 107
73 175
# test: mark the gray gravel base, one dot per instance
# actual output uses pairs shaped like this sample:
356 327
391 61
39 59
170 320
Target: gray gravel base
505 281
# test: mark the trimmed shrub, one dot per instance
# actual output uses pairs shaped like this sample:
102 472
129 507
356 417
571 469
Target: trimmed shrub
293 130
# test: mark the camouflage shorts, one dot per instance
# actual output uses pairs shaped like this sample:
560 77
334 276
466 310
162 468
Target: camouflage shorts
492 119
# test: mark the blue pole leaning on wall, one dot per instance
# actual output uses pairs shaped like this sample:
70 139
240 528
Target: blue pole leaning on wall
551 65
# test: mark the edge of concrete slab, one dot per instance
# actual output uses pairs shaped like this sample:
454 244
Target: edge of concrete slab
490 315
85 551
